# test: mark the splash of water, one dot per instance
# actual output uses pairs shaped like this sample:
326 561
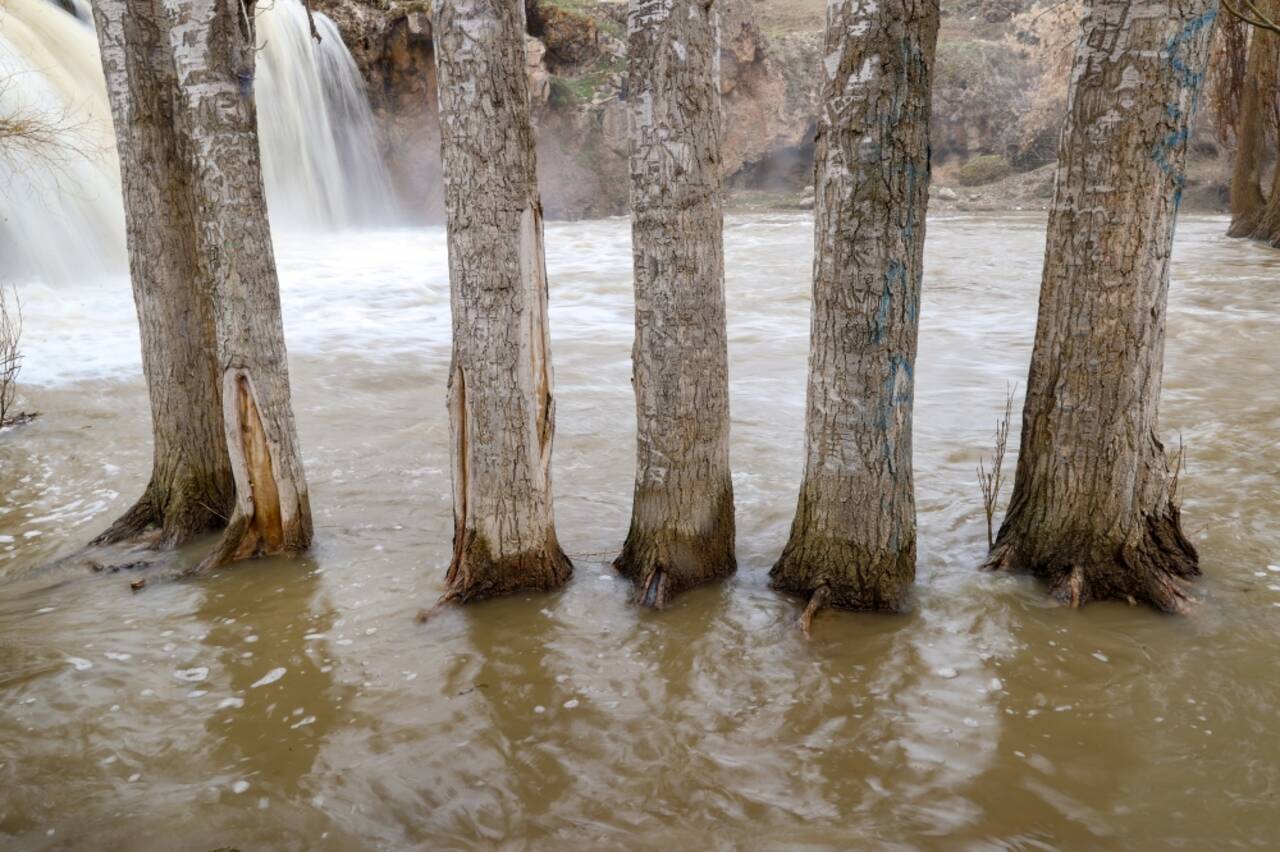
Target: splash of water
61 216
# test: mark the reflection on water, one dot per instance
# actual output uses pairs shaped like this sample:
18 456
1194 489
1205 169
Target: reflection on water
247 612
296 704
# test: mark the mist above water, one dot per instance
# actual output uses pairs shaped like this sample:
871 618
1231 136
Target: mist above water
62 214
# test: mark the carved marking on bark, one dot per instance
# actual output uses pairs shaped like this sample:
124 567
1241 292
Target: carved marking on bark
502 409
213 49
854 530
1093 510
682 524
191 490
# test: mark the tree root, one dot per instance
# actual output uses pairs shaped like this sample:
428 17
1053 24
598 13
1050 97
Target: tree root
652 591
1152 567
817 601
159 524
141 523
448 599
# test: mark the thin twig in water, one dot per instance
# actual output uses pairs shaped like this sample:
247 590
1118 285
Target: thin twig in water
10 350
1179 464
990 481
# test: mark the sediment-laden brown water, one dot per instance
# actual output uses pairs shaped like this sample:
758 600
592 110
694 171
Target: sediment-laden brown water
297 705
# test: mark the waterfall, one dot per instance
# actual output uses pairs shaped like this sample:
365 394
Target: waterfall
60 208
317 132
60 214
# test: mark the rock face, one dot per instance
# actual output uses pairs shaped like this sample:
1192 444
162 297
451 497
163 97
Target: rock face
771 71
577 81
391 43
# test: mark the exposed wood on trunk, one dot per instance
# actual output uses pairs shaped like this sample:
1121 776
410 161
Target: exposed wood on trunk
1094 510
191 489
501 407
213 46
854 532
682 525
1247 201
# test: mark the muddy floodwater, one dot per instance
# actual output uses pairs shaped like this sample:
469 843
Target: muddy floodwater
295 704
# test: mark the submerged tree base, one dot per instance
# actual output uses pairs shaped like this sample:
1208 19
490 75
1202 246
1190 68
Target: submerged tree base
165 520
849 577
1151 566
475 574
661 565
664 555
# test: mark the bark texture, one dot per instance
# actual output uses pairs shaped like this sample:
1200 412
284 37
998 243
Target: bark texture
682 525
1247 201
191 489
853 540
1263 64
501 408
1094 510
213 47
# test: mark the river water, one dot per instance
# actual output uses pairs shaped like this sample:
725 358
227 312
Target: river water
297 705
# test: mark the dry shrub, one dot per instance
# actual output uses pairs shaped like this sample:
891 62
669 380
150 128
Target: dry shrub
10 352
991 480
33 138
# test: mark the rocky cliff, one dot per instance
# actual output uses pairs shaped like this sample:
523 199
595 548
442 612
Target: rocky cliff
995 100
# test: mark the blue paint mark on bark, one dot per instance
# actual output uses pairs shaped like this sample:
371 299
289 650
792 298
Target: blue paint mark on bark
899 390
894 276
1188 79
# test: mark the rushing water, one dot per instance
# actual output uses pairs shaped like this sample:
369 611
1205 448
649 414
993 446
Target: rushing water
296 704
62 215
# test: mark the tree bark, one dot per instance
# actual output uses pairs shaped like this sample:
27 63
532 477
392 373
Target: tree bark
1094 510
191 489
501 408
1268 225
853 540
1262 75
213 48
682 525
1247 202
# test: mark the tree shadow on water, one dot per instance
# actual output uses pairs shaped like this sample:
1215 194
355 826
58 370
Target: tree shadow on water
511 673
283 700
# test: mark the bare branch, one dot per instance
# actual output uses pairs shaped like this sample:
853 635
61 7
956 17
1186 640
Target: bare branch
991 480
10 350
1260 20
311 21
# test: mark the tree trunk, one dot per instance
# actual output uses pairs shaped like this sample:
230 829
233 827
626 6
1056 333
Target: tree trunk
501 409
1247 202
853 540
213 47
1262 75
191 489
1094 510
1268 224
682 527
